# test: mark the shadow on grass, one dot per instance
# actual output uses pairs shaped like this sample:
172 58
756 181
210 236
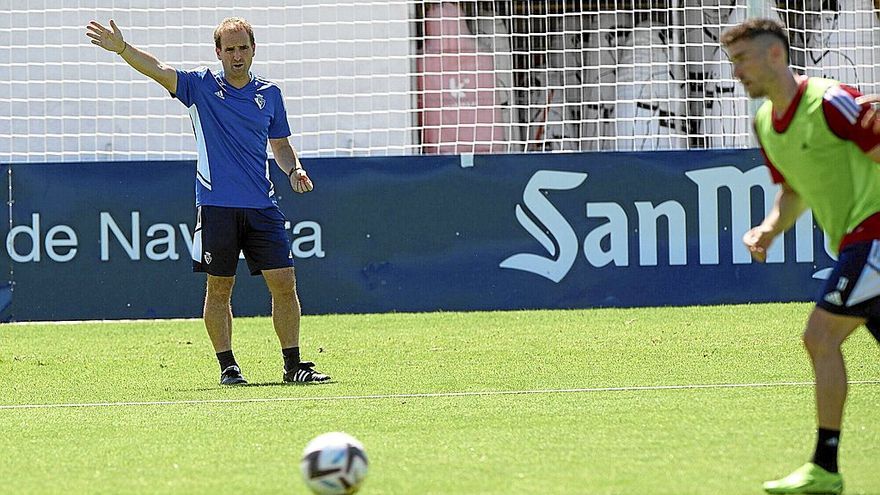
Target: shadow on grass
281 384
257 384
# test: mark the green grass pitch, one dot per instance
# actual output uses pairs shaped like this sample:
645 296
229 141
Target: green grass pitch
697 400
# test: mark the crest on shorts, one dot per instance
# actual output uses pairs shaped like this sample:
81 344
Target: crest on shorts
261 102
208 258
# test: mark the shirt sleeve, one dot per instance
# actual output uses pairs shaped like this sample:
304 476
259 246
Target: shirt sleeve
843 114
278 127
187 82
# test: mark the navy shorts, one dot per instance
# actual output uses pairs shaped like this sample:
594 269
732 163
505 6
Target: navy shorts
853 289
222 233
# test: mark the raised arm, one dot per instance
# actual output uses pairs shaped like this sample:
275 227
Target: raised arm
112 40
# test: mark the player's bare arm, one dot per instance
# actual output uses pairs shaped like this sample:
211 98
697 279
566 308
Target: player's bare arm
787 207
112 40
871 120
288 161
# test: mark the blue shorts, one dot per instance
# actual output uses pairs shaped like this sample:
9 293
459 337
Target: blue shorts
853 288
222 233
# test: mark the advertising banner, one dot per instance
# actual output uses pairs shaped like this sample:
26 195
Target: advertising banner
416 233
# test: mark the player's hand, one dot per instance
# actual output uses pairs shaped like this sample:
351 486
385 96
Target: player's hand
758 241
871 119
300 182
108 39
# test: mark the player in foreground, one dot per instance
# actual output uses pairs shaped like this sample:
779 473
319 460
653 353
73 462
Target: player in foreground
234 113
821 145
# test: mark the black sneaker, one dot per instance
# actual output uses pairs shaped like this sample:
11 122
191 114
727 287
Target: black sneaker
303 373
232 376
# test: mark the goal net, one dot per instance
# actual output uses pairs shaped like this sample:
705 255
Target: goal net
396 77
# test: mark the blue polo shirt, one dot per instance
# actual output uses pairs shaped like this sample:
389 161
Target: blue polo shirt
232 127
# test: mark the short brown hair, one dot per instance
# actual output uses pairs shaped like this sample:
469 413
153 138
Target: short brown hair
233 24
753 28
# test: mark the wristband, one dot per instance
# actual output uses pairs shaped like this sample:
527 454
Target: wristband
294 169
123 49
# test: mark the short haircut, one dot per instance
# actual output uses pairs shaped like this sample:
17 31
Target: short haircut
233 24
753 28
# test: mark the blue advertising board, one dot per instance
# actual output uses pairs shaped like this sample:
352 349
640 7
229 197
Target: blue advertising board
419 233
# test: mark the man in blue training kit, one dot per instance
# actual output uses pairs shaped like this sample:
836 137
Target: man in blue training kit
234 114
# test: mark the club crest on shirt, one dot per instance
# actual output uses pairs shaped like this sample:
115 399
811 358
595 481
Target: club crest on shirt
261 102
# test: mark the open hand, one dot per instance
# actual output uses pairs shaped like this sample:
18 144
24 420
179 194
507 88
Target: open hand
110 40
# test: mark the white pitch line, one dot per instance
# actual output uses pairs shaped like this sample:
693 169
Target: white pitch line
425 395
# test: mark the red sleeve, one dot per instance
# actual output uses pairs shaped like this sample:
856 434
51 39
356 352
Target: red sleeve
774 172
843 114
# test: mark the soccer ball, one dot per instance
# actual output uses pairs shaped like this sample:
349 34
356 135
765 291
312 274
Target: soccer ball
334 464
